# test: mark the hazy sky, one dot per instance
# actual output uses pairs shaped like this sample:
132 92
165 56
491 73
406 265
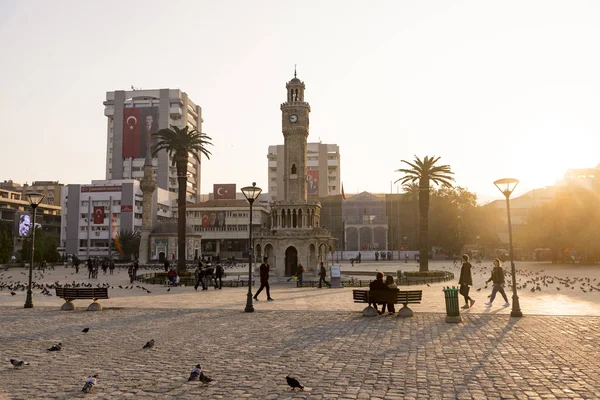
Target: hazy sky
496 88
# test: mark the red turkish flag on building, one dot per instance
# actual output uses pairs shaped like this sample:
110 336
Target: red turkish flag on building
224 191
131 132
98 214
205 220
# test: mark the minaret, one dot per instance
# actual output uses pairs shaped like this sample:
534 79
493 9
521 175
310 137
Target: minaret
294 113
148 186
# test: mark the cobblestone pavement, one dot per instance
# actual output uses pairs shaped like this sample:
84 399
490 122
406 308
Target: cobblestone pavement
572 300
336 355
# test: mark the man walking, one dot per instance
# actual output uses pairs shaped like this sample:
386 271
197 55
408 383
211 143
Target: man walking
299 274
200 276
323 275
264 280
498 279
219 276
465 281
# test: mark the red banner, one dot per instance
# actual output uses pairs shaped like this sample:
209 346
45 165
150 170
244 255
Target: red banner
205 220
100 189
313 182
126 208
224 191
98 214
131 132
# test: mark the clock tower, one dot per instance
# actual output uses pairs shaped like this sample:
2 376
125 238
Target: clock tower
294 123
294 236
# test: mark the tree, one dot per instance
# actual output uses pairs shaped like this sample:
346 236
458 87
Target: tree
130 243
425 171
6 247
45 248
180 143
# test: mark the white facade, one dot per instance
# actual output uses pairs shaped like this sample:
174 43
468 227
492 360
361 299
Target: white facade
171 107
229 238
322 158
122 206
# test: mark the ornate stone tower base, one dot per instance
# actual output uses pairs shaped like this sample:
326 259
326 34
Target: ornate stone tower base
148 186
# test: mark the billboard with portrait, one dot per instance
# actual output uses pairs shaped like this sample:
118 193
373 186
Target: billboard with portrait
24 224
213 219
313 182
139 123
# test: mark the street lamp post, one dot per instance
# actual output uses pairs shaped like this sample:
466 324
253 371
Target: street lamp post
251 193
405 246
507 186
34 200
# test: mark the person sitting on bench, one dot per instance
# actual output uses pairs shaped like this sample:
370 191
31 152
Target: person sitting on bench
173 276
377 284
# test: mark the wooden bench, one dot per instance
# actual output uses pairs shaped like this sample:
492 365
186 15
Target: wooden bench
70 294
388 296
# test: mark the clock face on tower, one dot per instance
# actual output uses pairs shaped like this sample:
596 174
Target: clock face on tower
293 118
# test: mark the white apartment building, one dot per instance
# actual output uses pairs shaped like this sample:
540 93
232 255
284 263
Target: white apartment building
92 215
133 116
323 170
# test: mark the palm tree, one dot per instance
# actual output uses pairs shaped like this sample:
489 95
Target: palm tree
129 242
425 171
180 143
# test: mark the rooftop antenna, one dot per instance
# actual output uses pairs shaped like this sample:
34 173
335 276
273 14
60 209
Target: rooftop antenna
294 70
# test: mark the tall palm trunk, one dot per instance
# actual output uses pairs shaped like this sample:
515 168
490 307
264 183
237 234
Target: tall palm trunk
181 209
424 225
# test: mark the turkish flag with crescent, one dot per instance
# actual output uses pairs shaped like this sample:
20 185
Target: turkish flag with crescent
98 214
205 220
131 132
224 191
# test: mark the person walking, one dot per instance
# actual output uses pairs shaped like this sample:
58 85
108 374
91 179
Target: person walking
498 279
111 266
219 272
90 267
209 273
323 275
200 276
299 274
167 265
264 280
465 281
76 263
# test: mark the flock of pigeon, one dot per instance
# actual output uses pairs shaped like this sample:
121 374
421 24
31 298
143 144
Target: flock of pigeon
537 281
197 374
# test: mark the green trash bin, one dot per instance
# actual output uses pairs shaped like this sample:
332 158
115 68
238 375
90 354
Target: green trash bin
452 310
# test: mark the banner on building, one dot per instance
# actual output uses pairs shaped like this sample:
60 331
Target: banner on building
139 123
313 182
224 191
125 208
213 219
205 220
100 189
98 214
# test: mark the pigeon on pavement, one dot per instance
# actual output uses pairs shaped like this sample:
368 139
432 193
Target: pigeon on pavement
198 374
85 330
56 347
89 383
195 374
293 383
18 363
149 344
